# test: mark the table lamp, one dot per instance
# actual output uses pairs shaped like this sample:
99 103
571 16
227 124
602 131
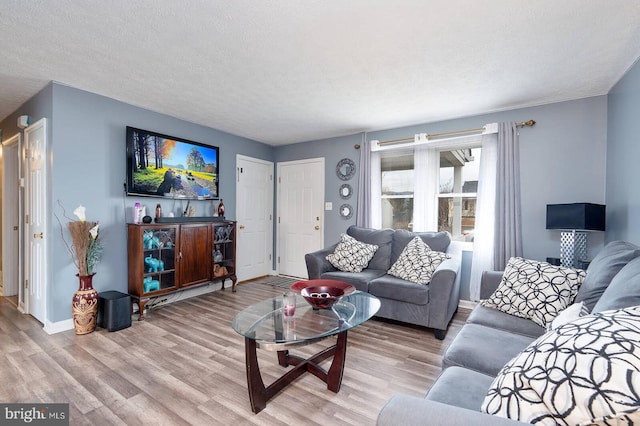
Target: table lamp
574 220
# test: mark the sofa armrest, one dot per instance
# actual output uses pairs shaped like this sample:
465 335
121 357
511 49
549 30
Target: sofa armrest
317 262
444 292
410 410
489 283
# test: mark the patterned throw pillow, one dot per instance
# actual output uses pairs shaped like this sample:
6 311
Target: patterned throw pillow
573 312
535 290
351 255
417 262
585 372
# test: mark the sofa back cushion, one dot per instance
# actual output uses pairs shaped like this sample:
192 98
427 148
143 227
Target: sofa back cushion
611 259
624 290
437 241
379 237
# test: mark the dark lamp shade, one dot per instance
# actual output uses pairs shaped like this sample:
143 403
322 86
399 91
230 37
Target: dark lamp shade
576 216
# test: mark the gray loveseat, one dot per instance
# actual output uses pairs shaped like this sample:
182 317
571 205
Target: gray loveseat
431 305
491 338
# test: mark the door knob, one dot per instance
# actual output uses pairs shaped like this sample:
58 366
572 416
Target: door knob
317 228
40 235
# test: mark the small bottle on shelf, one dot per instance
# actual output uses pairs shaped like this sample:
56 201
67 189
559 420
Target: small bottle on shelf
221 209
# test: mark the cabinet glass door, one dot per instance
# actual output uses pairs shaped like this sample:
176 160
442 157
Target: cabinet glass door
159 259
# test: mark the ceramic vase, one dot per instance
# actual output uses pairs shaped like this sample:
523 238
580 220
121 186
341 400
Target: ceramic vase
85 306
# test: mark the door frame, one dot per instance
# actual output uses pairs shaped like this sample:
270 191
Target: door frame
44 226
269 203
279 207
12 204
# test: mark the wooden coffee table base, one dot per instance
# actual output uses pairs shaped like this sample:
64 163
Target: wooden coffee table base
259 394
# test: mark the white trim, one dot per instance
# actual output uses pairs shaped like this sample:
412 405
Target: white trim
467 304
58 326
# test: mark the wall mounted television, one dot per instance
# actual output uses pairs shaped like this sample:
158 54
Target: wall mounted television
165 166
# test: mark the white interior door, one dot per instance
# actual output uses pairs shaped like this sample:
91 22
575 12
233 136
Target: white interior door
11 205
36 232
254 214
300 213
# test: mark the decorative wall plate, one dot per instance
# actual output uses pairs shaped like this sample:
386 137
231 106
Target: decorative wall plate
345 169
346 191
346 211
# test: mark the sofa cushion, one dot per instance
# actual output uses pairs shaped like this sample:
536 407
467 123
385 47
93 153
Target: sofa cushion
502 321
360 280
484 349
460 387
582 372
607 263
390 287
437 241
624 290
535 290
417 262
351 255
380 237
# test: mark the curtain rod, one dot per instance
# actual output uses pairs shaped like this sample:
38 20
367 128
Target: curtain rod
455 133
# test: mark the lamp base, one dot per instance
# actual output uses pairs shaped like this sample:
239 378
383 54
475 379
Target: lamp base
573 248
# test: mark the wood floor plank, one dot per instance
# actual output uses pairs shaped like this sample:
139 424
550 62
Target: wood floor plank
184 365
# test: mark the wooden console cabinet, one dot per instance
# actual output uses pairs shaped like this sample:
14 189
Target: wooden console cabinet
167 257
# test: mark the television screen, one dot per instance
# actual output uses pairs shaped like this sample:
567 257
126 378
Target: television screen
165 166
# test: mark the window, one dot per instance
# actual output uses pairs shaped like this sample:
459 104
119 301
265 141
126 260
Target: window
456 182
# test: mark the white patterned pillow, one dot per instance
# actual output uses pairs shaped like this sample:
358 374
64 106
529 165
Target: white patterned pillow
573 312
417 262
351 255
584 372
535 290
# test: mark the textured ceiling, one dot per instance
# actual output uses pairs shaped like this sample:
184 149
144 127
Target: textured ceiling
287 71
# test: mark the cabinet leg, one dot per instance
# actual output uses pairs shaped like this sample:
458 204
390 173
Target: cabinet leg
141 304
234 280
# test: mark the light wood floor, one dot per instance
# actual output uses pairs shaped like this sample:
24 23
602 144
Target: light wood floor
185 365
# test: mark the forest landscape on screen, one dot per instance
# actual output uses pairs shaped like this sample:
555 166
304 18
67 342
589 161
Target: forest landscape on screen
165 166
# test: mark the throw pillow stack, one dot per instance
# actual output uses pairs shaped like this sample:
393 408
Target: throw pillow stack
535 290
583 373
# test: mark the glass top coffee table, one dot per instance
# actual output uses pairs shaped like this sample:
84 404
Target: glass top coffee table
264 326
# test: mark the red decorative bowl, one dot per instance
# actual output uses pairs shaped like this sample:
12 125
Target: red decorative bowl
322 294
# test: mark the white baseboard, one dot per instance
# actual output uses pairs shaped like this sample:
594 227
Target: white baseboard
66 325
58 326
467 304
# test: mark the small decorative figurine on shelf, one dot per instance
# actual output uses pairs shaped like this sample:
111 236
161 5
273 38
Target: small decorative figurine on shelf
221 209
158 211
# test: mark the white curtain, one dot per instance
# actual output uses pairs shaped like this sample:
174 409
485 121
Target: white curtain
369 213
425 195
497 234
483 241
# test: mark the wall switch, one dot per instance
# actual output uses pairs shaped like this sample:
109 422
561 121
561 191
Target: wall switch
328 205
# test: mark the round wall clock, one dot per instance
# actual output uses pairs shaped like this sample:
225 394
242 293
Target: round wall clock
345 169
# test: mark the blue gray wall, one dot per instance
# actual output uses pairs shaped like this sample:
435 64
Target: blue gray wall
623 153
562 161
87 143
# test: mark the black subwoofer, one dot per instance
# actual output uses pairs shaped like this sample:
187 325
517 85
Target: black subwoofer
114 310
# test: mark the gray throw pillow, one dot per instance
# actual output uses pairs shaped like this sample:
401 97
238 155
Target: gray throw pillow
611 259
624 290
378 237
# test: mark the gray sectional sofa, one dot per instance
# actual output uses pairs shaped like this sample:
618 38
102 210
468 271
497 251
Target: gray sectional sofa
491 338
431 305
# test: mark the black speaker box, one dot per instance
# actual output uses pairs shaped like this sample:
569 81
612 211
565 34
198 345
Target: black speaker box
114 310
